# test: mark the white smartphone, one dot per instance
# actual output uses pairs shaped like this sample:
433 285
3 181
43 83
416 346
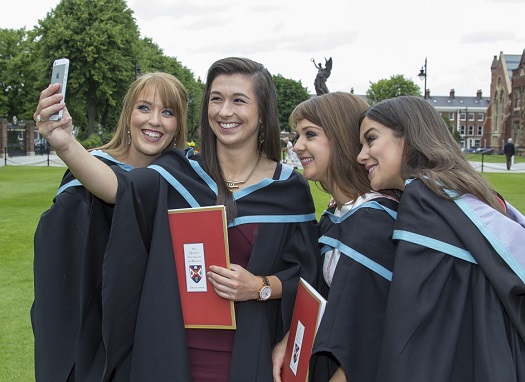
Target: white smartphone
59 75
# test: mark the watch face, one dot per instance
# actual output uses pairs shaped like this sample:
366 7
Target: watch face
265 293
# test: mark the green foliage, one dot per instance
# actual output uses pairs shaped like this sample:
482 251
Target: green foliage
290 93
106 53
100 39
395 86
94 140
16 73
455 134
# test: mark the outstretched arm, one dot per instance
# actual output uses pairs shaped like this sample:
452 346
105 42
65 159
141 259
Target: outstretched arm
94 175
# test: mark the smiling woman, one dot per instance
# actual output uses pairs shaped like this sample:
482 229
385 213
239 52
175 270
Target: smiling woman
355 240
459 244
271 236
67 304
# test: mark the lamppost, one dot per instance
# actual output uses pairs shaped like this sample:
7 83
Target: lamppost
191 112
423 76
138 71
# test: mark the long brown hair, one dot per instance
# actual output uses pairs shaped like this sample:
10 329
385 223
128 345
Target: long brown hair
430 152
338 113
267 105
172 93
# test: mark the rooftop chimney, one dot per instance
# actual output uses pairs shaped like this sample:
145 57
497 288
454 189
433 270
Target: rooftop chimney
479 95
452 93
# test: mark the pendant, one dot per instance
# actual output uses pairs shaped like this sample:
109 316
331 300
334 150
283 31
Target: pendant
233 185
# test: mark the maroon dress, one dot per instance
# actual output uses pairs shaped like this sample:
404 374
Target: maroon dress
210 350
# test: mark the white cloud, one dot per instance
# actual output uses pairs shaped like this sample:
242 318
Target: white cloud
368 40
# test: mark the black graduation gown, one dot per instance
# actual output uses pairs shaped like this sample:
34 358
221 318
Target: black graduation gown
350 331
456 309
64 279
143 326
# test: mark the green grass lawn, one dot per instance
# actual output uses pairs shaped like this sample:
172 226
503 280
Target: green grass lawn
510 186
25 193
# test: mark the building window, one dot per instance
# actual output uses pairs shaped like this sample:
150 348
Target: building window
480 130
480 116
470 116
517 98
471 130
462 130
462 116
451 116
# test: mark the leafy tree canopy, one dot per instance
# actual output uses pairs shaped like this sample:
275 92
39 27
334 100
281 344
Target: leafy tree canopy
290 93
15 75
395 86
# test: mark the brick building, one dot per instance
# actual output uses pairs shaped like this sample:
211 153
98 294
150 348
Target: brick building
466 115
506 111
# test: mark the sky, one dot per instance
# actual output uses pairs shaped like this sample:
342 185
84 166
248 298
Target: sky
368 40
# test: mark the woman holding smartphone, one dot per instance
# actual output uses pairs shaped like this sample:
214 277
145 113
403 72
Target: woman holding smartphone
71 236
271 233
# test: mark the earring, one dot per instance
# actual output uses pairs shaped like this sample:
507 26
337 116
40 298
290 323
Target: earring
129 138
261 137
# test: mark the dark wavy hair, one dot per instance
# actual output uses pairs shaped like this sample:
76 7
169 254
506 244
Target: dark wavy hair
430 152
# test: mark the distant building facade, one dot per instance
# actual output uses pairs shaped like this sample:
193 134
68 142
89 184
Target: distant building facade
467 115
506 112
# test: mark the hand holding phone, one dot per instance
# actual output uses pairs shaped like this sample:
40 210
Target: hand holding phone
59 75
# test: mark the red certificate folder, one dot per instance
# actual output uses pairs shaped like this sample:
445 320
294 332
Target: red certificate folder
307 313
200 239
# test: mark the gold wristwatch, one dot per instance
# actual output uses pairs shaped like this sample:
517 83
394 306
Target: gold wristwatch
266 291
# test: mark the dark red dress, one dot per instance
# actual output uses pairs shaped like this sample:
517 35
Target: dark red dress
210 350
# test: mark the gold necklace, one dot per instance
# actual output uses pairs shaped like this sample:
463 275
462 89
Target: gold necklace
234 184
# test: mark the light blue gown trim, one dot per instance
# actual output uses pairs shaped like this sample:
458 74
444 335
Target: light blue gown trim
240 220
434 244
496 231
370 204
272 219
353 254
176 185
204 176
100 154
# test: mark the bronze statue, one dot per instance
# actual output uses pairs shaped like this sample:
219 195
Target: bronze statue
322 76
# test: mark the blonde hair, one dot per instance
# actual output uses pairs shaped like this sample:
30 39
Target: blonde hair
172 93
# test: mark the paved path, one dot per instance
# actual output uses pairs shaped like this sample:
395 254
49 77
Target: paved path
498 167
33 160
54 160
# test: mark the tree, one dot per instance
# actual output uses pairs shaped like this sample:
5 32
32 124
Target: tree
394 87
455 134
17 73
290 93
151 58
100 38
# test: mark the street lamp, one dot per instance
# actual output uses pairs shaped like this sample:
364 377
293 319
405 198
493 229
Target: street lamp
138 71
423 76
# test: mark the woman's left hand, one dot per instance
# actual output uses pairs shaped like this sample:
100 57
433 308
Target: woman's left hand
234 284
